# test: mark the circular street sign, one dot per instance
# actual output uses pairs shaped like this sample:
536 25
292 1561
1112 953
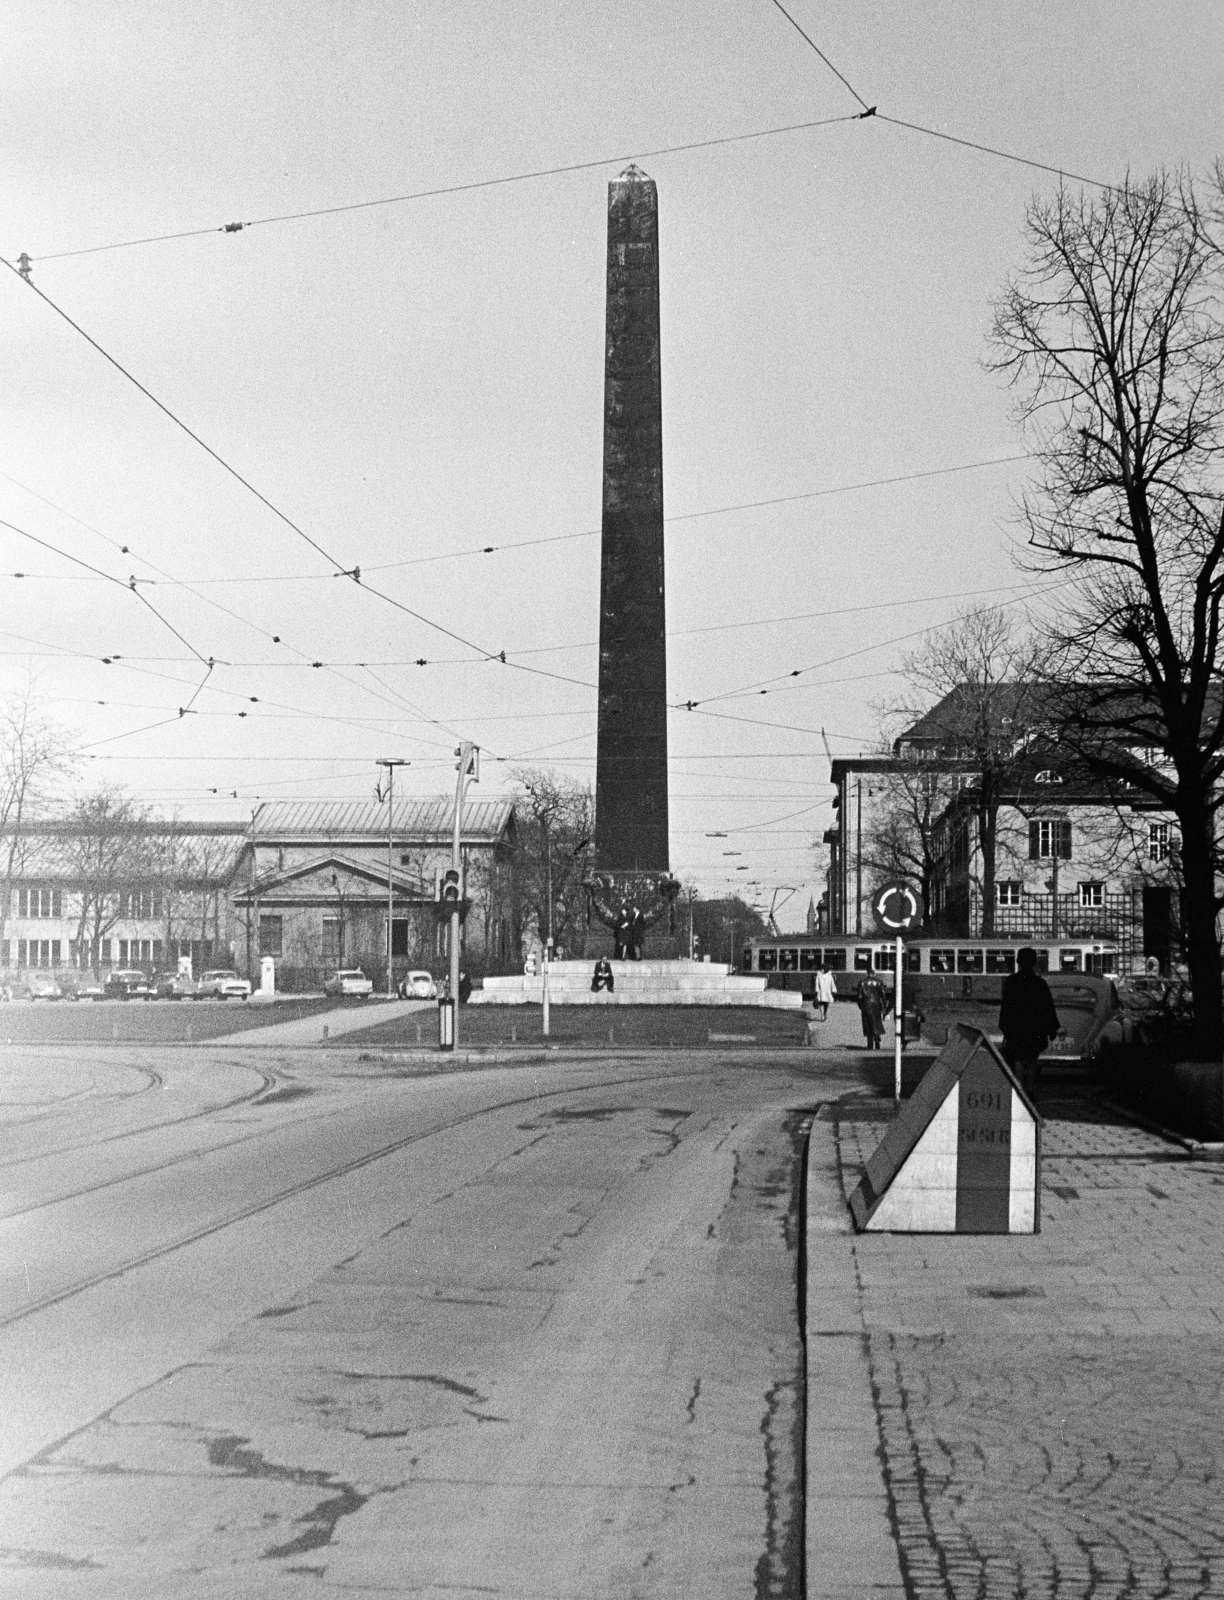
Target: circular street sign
897 908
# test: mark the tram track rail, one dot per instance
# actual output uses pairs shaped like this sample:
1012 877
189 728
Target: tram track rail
269 1080
316 1180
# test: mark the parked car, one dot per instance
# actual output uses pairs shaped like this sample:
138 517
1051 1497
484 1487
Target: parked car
418 986
222 984
41 986
83 986
349 981
173 986
127 984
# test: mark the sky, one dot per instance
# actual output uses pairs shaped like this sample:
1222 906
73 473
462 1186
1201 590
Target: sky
410 383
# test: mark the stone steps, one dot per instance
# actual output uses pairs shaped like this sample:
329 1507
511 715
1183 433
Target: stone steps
639 983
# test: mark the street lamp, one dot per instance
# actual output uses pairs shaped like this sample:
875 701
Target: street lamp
390 762
468 767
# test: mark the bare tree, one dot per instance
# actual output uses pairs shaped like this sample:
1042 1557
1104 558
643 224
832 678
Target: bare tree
1112 335
555 837
912 796
982 672
34 756
106 849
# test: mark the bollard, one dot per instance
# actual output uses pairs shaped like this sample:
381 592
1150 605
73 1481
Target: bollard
446 1023
325 1030
189 1034
114 1030
418 1026
513 1034
611 1030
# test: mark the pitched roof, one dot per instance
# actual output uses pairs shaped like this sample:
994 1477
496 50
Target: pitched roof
415 821
950 719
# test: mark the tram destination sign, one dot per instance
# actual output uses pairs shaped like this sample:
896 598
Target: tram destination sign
897 908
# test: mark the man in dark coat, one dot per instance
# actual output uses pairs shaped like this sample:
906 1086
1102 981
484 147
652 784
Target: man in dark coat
1028 1020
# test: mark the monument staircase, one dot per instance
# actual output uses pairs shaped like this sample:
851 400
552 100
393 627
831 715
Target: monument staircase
638 983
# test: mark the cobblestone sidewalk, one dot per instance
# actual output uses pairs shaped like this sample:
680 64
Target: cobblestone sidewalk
1051 1409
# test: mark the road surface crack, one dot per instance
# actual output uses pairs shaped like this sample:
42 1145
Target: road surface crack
227 1452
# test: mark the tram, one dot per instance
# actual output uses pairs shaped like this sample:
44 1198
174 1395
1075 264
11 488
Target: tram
791 961
961 980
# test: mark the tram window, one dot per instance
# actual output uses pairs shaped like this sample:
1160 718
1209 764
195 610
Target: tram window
913 958
809 959
1100 961
1043 961
835 960
1000 961
1068 961
788 960
886 959
768 960
968 961
943 960
862 958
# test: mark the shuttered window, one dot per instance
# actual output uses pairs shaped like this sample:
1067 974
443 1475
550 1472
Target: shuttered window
1051 836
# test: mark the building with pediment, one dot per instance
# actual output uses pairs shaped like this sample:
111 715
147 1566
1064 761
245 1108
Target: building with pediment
308 883
315 879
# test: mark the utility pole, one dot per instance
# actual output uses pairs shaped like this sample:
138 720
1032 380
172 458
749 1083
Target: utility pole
390 762
858 845
468 766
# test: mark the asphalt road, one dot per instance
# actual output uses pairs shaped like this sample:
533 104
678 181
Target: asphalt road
280 1323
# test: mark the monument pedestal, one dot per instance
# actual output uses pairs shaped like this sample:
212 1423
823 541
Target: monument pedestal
639 983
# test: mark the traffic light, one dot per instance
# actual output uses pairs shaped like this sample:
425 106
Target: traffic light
450 890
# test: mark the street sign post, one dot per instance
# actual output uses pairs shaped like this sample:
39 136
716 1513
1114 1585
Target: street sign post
897 908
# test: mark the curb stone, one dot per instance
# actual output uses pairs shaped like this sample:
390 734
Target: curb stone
851 1553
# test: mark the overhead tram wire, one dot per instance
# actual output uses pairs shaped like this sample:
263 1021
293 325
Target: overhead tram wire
781 680
130 586
841 77
389 697
934 133
472 187
341 570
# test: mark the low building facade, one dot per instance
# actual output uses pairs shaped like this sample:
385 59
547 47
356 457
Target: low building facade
143 895
309 884
316 881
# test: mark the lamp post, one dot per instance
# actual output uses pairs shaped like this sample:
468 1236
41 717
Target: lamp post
468 767
390 762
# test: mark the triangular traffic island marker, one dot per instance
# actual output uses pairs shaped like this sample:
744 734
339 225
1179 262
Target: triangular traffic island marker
962 1156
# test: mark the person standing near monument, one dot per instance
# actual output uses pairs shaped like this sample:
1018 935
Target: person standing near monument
1027 1019
826 988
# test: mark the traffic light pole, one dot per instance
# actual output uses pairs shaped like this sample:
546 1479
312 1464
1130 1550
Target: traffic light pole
468 766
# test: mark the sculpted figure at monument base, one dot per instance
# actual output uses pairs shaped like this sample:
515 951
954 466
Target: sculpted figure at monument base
631 902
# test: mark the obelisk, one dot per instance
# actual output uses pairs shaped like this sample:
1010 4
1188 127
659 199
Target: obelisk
631 758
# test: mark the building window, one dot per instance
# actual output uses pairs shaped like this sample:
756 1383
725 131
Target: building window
331 939
1092 894
140 905
1009 891
38 952
1048 775
1050 837
271 931
40 903
1158 841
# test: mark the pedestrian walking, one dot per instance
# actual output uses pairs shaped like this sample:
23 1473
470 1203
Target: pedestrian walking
1028 1020
826 988
874 1005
